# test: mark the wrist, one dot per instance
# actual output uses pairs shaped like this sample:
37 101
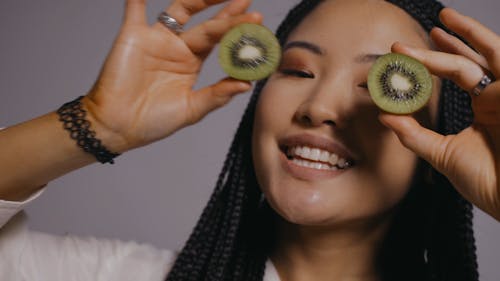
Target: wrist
112 139
82 128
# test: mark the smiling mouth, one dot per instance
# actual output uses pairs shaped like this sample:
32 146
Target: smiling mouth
316 158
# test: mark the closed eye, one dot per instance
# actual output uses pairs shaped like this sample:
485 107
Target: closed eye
363 85
297 73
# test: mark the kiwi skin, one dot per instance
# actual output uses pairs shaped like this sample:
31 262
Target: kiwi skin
390 99
262 40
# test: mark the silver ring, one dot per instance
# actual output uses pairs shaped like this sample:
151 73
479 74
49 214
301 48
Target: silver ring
170 23
485 81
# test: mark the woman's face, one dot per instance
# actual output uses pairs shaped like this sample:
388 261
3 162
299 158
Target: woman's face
317 106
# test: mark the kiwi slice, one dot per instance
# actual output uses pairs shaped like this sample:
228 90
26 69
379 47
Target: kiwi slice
399 84
249 52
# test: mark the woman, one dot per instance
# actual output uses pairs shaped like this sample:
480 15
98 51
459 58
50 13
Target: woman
380 214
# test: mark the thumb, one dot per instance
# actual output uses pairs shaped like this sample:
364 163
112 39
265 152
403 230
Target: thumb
426 143
214 96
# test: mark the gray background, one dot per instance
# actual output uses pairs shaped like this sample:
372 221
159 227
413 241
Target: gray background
51 51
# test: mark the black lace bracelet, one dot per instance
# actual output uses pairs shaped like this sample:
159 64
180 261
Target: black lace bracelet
73 115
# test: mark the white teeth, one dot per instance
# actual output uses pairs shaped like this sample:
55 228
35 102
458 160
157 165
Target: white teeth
316 154
312 165
333 159
325 156
306 151
342 163
298 150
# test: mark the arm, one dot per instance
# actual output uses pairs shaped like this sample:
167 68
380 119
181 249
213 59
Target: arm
143 94
38 151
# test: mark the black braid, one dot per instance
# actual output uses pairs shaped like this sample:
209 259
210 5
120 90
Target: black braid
450 237
234 234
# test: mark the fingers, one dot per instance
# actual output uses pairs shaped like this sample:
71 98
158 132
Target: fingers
202 38
214 96
183 10
465 73
483 39
135 12
488 103
235 7
427 144
461 70
451 44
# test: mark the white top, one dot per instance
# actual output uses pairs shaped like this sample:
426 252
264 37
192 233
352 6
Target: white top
27 255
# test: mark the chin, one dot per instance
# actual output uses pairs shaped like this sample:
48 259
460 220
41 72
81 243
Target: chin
310 209
316 207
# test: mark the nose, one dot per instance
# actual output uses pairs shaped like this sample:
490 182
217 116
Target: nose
325 106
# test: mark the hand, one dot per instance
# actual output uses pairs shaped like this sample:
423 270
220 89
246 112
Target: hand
470 159
145 89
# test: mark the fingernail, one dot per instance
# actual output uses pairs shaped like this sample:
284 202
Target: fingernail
406 46
447 10
244 86
439 29
383 122
401 46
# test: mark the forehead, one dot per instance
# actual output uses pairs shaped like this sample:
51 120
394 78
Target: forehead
371 25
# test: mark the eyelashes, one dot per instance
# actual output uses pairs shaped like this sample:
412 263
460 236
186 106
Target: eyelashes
297 73
308 75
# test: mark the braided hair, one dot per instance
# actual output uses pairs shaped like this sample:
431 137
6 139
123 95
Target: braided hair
431 237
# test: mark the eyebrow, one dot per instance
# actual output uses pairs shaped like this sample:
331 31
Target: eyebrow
363 58
315 49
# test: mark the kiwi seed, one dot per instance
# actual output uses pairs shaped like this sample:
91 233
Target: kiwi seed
399 84
249 52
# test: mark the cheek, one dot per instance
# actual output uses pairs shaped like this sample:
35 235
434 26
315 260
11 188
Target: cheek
273 117
389 166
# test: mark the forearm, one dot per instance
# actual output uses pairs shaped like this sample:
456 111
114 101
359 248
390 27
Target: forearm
35 152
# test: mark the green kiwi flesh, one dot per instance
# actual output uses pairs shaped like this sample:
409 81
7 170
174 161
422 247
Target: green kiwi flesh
399 84
249 52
